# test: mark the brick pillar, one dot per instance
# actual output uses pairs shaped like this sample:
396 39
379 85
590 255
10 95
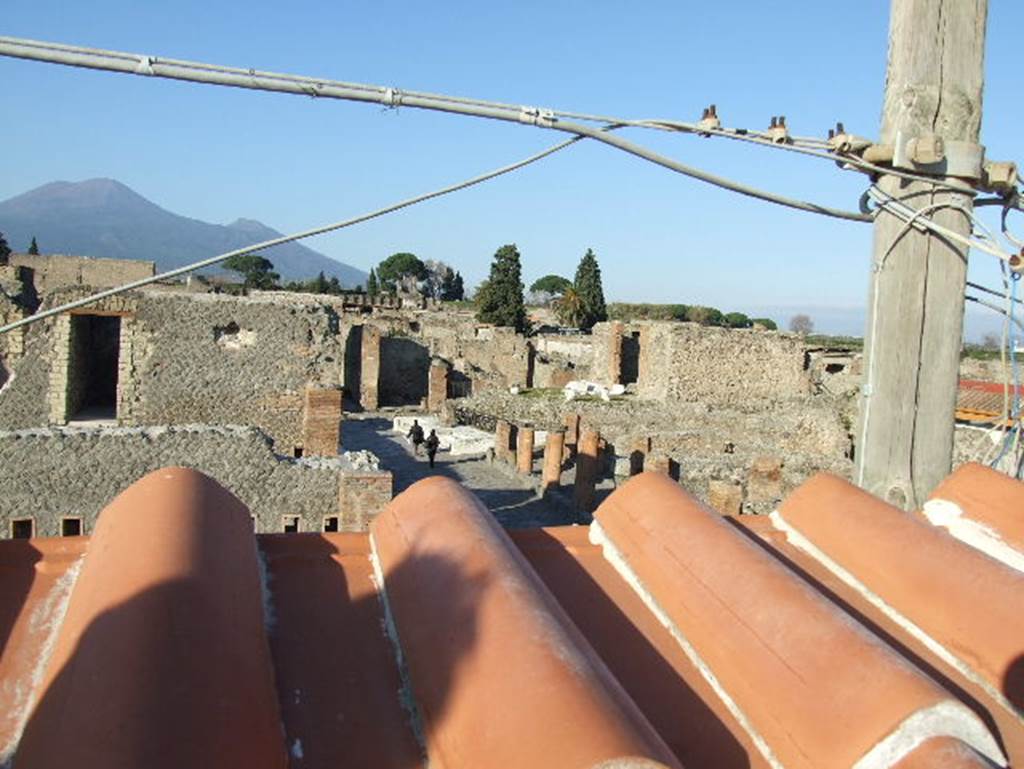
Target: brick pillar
662 463
361 497
725 496
369 358
572 435
502 440
321 422
553 450
764 484
615 353
524 450
437 385
586 471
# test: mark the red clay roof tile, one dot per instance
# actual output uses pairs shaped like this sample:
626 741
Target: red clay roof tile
822 670
500 675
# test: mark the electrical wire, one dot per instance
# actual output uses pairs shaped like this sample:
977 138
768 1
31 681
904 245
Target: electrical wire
286 238
152 66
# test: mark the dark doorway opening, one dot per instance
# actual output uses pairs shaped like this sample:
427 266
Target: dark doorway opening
22 528
404 371
354 363
631 358
92 366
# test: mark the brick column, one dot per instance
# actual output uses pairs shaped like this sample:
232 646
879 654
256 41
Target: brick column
615 353
502 440
553 449
369 358
361 497
437 385
586 471
764 484
524 450
572 435
725 496
321 422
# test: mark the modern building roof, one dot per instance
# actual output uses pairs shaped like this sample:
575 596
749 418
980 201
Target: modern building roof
838 632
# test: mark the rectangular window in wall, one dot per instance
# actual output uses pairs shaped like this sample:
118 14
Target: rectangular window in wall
71 527
331 523
291 524
22 528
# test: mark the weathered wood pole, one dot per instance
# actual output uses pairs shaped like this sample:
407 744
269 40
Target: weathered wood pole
916 298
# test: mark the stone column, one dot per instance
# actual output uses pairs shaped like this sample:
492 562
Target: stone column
725 496
321 422
586 471
553 450
572 434
369 380
502 440
437 385
615 353
524 450
764 483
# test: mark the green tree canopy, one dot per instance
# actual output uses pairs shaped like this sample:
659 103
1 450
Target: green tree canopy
706 316
452 289
5 250
401 270
33 247
767 323
551 284
737 320
257 270
500 297
588 286
371 283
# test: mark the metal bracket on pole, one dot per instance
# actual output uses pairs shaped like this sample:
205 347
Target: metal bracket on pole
931 154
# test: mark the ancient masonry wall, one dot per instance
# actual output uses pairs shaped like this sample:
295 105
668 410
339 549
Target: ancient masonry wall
689 362
189 358
53 271
54 473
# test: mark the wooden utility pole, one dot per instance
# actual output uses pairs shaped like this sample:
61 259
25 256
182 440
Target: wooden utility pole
916 301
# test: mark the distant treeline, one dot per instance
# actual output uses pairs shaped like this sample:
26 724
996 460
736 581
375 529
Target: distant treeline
706 316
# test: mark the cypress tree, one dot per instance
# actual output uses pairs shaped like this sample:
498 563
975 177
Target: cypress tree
371 283
5 251
33 247
591 294
458 288
501 299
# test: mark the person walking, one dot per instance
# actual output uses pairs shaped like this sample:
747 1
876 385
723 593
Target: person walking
433 442
416 436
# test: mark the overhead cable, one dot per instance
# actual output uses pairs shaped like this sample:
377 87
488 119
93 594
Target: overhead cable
152 66
284 239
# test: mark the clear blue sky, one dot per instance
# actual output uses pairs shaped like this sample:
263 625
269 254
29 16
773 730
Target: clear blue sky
218 154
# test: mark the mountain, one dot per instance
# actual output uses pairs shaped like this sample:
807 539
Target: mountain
102 217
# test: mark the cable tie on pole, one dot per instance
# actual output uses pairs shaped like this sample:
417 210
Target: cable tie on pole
145 66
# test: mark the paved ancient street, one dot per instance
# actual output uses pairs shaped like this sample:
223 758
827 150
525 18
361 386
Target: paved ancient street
512 499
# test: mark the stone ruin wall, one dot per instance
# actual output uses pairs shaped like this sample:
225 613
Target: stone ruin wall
55 271
51 473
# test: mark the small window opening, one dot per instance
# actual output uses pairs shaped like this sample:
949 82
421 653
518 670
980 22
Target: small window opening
22 528
291 524
71 527
331 523
297 452
834 368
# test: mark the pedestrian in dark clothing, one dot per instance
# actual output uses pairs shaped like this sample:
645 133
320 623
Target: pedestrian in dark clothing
416 436
433 442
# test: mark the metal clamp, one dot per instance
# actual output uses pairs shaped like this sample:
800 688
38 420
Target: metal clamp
933 155
543 118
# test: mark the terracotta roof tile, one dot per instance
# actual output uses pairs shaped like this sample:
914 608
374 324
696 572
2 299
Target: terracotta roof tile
983 508
529 649
823 671
491 655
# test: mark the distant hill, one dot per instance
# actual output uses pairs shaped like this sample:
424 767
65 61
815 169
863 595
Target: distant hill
102 217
